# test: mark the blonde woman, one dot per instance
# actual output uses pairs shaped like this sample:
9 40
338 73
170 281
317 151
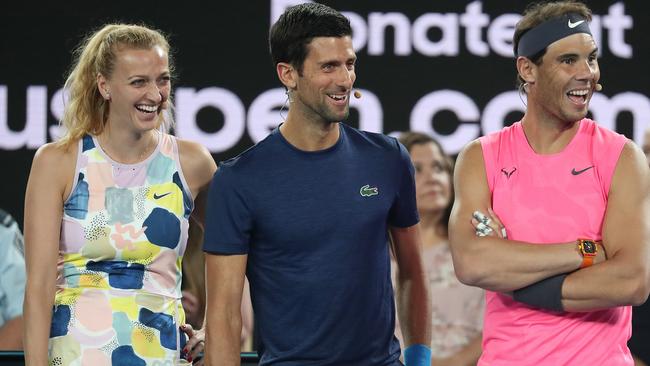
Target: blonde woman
107 210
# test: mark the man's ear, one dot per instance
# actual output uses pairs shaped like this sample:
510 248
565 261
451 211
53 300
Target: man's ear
287 75
527 69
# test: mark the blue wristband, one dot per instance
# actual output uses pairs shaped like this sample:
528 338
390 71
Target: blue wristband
417 355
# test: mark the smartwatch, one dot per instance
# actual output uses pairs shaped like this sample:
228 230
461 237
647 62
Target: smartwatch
588 248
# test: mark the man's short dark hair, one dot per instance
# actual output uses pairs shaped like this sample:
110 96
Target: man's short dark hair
298 25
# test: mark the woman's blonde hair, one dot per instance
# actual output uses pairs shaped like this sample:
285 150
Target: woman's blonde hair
86 111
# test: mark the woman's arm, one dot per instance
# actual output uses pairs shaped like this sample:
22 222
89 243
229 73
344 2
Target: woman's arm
50 181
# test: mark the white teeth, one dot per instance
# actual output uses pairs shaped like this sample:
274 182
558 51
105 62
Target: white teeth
146 108
579 93
337 97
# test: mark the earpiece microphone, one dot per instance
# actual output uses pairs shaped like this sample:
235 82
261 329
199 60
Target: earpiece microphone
599 87
357 94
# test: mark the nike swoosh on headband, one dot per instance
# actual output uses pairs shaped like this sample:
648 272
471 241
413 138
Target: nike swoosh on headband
573 25
539 37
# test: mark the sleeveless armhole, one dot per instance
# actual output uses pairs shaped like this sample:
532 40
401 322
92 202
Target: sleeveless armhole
179 169
488 144
606 152
77 168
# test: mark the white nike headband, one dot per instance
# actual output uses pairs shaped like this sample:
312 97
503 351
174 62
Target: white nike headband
538 38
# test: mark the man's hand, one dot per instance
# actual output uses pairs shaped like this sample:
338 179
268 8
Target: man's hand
488 224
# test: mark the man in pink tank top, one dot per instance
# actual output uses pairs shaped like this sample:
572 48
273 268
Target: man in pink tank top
560 239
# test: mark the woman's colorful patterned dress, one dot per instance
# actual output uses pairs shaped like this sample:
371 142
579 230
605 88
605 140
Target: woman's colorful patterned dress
123 236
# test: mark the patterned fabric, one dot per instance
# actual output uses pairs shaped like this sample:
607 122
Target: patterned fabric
457 309
123 236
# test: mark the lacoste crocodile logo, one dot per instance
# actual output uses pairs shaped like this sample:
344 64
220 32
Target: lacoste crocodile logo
157 197
578 172
367 191
508 173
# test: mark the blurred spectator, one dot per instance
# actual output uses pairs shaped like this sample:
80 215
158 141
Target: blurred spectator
12 283
457 309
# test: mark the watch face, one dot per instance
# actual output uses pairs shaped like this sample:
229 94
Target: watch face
589 246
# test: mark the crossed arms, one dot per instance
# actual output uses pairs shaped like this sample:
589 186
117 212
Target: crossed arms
504 265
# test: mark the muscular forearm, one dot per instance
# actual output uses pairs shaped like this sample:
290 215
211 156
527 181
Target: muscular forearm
616 282
223 339
504 265
224 286
624 278
414 309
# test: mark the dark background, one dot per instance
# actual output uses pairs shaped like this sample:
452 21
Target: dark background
224 44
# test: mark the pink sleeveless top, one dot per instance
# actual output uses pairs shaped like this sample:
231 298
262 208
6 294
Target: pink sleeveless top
550 199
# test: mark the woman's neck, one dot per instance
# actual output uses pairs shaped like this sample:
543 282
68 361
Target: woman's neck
127 147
